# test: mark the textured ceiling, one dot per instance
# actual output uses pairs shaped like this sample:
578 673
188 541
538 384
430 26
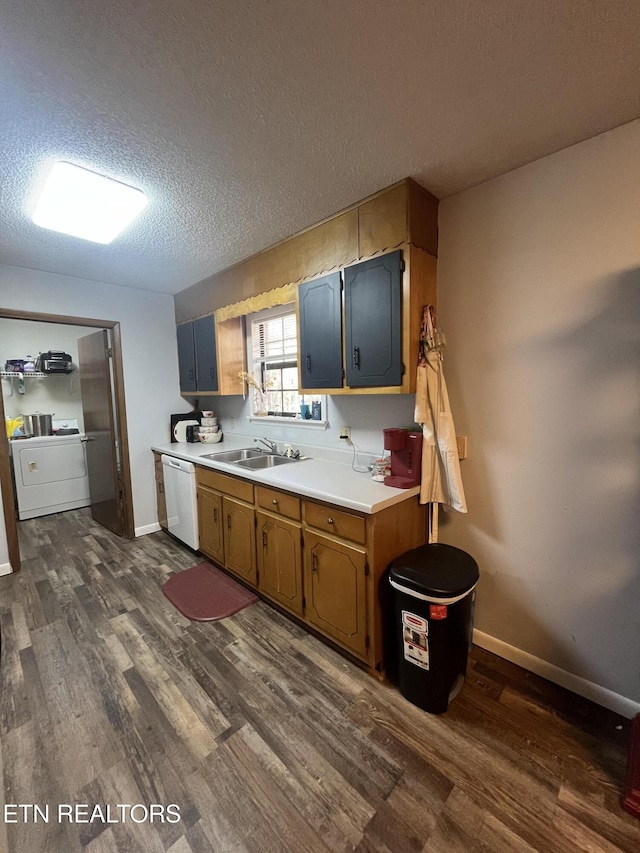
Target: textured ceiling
244 121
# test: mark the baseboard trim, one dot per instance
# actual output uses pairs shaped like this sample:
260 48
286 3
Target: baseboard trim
147 528
600 695
5 569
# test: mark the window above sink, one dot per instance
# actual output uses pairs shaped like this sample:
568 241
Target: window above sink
272 376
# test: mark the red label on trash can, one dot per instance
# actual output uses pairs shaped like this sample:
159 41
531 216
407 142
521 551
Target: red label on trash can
437 611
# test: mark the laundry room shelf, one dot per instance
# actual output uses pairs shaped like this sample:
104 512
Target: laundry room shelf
30 374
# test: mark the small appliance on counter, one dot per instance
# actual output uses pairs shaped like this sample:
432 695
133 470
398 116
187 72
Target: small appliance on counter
406 457
179 424
54 361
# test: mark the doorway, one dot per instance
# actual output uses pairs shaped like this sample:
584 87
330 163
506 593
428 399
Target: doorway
103 418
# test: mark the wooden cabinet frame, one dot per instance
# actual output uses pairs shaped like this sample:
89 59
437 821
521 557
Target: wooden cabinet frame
403 216
231 358
161 500
362 545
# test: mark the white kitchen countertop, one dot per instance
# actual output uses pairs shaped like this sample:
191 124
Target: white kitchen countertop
318 477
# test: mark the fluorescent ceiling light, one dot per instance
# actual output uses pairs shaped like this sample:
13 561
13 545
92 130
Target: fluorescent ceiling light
87 205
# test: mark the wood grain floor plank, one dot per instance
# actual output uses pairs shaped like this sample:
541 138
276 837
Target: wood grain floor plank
198 737
266 738
286 822
14 704
23 638
619 828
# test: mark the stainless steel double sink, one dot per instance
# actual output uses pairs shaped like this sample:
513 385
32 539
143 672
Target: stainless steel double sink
250 457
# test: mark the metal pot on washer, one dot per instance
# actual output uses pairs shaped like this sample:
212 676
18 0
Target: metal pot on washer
38 424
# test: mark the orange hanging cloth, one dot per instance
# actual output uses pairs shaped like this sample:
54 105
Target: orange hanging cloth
441 478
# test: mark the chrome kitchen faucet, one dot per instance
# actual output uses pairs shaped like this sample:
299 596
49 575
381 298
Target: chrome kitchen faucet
272 445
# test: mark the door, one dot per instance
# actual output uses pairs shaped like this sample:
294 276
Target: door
335 585
240 539
280 561
373 322
204 334
210 524
320 305
186 358
105 482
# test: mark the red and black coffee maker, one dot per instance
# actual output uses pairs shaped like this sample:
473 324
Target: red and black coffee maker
406 457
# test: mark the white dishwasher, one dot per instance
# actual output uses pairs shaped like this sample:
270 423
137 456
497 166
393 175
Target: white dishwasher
182 504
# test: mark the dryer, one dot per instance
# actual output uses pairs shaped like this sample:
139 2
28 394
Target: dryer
50 474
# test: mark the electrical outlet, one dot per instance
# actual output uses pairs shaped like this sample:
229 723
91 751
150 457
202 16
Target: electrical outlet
345 433
461 443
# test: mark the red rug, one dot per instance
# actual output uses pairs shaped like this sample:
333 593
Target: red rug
205 594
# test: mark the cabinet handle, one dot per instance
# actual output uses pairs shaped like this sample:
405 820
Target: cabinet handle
308 362
191 374
314 563
161 487
274 502
228 522
264 538
215 514
356 357
211 373
329 521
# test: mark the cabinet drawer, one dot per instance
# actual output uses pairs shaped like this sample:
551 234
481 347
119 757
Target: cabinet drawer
229 485
277 502
335 521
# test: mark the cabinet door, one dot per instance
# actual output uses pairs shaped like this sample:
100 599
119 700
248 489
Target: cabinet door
186 358
240 539
160 496
373 318
335 589
204 334
320 304
280 561
210 524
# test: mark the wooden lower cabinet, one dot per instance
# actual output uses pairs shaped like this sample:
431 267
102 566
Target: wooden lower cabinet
161 500
323 564
335 588
210 524
240 539
280 561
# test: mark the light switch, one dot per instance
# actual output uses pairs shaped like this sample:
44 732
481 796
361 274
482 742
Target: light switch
461 443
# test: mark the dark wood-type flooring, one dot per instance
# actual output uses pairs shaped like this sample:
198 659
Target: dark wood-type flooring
266 738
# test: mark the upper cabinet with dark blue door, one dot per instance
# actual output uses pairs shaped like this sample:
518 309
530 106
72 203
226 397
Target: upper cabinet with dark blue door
320 305
204 334
186 358
373 322
197 356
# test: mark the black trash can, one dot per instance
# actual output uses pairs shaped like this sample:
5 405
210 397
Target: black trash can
434 598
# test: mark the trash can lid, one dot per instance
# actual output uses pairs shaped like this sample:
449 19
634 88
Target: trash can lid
436 569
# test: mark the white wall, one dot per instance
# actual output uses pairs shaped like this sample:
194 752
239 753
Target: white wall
57 394
367 415
149 352
539 297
